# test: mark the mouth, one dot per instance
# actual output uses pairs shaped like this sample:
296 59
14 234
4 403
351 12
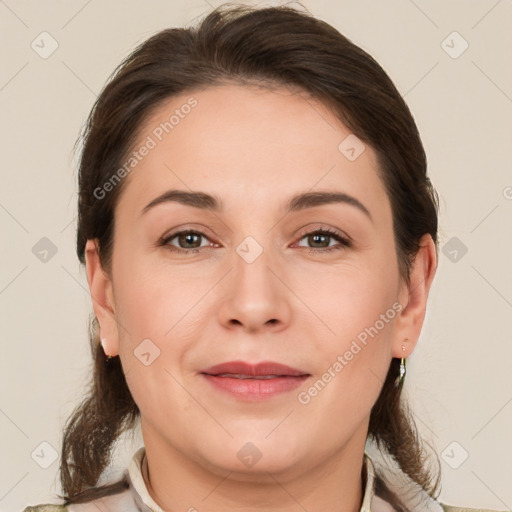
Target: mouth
254 382
255 377
242 369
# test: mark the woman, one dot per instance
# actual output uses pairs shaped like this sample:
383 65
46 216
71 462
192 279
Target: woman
260 237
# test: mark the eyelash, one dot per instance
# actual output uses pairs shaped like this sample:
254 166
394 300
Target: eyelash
344 242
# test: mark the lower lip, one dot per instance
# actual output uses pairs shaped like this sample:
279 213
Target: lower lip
255 389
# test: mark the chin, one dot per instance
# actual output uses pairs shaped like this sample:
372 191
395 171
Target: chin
255 456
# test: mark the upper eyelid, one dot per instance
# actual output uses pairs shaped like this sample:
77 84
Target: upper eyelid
174 234
330 231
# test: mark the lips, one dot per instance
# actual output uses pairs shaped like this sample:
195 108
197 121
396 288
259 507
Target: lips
243 370
254 382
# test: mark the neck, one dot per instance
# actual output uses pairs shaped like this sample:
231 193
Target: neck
176 483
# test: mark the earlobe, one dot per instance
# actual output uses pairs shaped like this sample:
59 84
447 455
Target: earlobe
414 297
100 287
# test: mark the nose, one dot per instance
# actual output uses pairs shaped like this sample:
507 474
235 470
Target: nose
254 296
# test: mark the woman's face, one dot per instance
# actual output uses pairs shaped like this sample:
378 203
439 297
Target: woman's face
258 280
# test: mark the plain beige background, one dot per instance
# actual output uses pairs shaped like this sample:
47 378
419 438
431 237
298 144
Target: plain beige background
459 378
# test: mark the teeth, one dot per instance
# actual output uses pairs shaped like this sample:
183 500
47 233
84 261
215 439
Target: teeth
240 376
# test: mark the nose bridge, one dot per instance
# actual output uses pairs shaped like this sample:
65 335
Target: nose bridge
252 274
255 296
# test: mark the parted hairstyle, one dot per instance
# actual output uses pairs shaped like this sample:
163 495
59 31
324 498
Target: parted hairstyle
270 47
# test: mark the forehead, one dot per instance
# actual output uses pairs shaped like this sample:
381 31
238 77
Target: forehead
249 146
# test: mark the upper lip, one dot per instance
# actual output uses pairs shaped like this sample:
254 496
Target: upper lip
263 368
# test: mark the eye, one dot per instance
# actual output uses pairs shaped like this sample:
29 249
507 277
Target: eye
188 240
322 237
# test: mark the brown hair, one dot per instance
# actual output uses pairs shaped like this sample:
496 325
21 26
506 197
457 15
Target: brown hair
275 46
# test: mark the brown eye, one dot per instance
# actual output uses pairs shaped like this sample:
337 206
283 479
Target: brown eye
319 238
187 241
189 238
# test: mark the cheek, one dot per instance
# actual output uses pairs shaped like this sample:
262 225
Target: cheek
154 312
357 308
147 296
351 364
350 298
161 313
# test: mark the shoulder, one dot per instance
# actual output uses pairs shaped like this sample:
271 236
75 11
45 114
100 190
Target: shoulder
47 508
452 508
122 502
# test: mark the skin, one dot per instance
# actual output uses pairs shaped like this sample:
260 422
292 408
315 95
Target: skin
255 148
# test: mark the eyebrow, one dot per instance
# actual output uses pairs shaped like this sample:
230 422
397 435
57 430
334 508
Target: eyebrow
298 202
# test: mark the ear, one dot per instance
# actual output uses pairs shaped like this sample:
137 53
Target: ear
100 286
413 297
